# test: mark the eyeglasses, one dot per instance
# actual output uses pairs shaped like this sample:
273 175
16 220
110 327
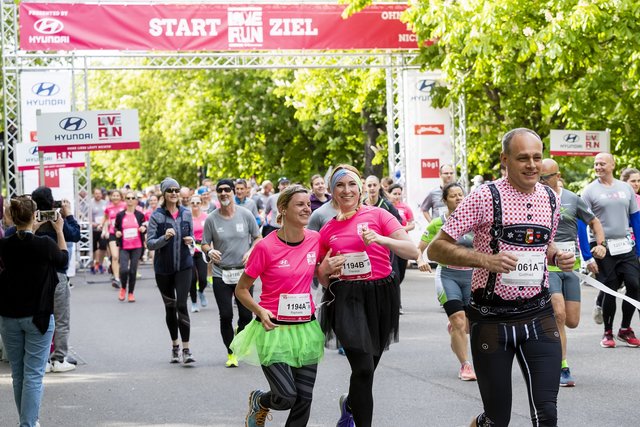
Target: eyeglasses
173 190
130 198
546 177
224 189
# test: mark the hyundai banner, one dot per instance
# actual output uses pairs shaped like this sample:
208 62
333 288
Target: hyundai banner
210 27
427 141
579 142
88 131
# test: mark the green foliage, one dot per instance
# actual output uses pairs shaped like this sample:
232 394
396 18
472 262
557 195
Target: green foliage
561 64
236 123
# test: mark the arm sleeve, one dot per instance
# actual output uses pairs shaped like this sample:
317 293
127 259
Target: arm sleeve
154 242
634 220
583 239
71 229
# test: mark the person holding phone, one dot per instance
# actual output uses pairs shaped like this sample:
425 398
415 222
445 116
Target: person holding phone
170 234
27 287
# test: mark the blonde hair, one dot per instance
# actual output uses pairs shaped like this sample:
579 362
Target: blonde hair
285 197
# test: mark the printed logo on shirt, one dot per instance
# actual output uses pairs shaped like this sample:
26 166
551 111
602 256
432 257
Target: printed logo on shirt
240 227
363 226
333 238
220 229
311 258
614 195
283 263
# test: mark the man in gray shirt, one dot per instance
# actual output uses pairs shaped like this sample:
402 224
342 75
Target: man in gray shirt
614 203
271 209
242 198
433 205
229 234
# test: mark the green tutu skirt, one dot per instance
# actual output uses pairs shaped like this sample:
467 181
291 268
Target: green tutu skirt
296 345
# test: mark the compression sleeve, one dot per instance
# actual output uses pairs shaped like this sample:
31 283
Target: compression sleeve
584 241
634 221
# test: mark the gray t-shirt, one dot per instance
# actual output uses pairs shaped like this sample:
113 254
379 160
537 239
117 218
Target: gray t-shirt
97 211
612 205
250 205
271 207
321 216
572 209
434 204
231 236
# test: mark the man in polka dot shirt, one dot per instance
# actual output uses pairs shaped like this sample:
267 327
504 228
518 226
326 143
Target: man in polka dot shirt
514 220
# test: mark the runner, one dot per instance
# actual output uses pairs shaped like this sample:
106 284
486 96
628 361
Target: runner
98 206
286 339
319 195
432 205
453 284
407 221
170 234
199 276
632 177
271 208
363 296
242 199
116 204
130 228
514 220
229 234
565 287
614 204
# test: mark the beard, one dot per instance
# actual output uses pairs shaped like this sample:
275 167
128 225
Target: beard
226 202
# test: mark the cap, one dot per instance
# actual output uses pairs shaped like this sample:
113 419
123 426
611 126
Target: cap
168 183
283 180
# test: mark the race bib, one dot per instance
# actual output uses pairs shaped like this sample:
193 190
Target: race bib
294 307
529 270
569 247
357 266
130 233
619 246
231 277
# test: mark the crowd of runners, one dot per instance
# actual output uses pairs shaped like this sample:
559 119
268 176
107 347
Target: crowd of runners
507 262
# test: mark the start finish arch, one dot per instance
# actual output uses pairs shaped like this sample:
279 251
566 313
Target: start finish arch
16 60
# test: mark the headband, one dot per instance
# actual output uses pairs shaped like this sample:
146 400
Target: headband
341 174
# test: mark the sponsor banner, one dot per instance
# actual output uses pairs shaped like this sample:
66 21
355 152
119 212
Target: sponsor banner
210 27
579 142
88 131
428 145
48 92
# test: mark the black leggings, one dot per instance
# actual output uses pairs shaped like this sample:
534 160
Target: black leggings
174 289
224 298
198 276
535 342
360 400
612 271
129 267
291 388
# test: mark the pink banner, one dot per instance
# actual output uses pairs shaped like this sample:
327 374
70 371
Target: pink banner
210 27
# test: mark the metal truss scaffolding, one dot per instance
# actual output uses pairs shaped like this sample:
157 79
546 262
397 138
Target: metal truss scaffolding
15 62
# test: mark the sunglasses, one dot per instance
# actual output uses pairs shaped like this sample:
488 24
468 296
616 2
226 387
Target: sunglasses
130 198
196 203
224 189
173 190
546 177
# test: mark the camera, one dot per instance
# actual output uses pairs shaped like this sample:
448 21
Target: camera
47 216
57 204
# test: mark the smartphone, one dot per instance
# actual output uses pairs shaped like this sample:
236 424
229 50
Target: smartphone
57 204
47 216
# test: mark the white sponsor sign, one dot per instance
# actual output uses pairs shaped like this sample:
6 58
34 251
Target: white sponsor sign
88 131
428 143
49 92
579 142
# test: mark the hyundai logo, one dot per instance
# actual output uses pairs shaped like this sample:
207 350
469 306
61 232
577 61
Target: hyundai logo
48 26
45 89
426 85
34 150
571 137
73 123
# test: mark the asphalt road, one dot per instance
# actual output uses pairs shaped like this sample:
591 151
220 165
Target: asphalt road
124 378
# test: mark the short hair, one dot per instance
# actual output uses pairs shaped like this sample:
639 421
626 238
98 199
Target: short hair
393 187
285 197
241 181
626 173
447 164
447 188
508 137
387 180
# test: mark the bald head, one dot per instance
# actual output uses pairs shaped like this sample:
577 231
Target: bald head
607 157
549 166
603 165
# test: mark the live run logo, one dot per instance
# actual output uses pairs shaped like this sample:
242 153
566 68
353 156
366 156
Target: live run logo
109 126
245 26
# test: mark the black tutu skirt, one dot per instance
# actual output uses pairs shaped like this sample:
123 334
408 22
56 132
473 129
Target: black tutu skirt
363 315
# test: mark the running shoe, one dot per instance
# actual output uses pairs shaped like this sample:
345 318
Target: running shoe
566 380
232 361
466 372
341 351
629 337
123 293
607 340
115 283
346 417
175 354
203 299
597 315
194 307
131 298
187 356
257 414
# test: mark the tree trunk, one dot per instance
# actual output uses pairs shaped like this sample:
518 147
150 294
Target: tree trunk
370 130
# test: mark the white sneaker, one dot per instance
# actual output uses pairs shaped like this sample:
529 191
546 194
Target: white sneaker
64 366
47 369
194 307
597 315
